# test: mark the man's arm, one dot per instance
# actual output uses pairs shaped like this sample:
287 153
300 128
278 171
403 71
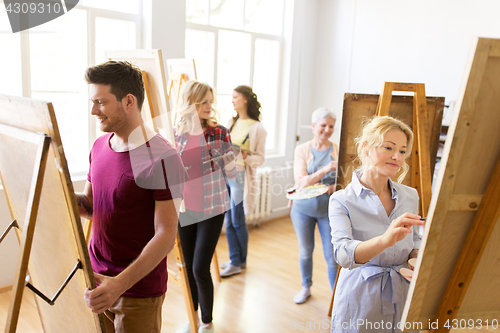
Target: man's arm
111 288
85 201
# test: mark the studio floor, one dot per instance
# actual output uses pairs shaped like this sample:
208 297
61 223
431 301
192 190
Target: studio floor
260 300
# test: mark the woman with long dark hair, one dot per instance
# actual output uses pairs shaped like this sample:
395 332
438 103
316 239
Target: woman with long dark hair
248 133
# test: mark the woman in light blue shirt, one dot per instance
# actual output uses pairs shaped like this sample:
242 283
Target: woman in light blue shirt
374 226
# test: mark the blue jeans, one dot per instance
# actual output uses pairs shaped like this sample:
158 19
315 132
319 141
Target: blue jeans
236 226
304 228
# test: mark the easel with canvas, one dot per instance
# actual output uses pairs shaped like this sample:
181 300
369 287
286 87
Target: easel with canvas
39 192
421 178
176 79
179 71
456 279
425 122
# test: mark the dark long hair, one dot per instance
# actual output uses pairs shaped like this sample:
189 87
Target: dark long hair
253 104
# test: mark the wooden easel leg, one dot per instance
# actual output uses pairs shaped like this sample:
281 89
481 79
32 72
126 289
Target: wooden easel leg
421 177
415 155
184 282
7 197
424 161
27 234
181 278
179 81
384 101
333 294
87 230
215 266
477 239
149 99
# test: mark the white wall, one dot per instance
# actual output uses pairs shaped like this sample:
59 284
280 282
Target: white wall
308 57
333 52
363 43
166 28
356 45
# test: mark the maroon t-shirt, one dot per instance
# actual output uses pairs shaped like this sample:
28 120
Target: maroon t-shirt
125 186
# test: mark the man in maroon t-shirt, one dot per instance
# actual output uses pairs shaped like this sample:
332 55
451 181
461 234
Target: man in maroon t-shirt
134 202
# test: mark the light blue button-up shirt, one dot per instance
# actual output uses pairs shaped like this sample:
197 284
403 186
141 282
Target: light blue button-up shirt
373 293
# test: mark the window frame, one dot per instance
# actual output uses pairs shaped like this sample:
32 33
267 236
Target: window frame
92 14
254 36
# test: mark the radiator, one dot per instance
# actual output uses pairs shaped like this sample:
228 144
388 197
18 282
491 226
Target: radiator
262 206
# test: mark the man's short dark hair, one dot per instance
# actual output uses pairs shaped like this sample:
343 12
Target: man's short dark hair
123 77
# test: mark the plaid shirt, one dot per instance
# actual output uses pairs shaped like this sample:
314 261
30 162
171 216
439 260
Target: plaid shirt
217 143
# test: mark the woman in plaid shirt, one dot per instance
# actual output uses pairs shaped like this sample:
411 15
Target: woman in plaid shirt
206 151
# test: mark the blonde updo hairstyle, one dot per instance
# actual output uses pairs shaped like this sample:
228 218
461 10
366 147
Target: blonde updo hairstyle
192 93
372 136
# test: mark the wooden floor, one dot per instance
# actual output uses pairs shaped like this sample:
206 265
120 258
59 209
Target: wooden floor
260 300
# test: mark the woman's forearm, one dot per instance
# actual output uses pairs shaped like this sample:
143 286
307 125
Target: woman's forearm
368 249
312 179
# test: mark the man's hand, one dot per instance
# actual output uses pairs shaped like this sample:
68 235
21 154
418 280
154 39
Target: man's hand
105 295
85 201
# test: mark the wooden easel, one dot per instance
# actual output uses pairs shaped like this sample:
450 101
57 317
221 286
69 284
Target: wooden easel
179 70
30 145
421 178
176 79
180 278
421 167
455 277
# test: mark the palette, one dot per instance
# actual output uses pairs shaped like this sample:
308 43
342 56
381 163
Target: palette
306 192
407 273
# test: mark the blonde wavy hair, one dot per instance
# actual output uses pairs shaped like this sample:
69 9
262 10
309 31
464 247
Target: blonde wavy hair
192 93
372 136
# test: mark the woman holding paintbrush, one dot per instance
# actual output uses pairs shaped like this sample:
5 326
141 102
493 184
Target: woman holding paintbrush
249 135
374 225
206 151
315 161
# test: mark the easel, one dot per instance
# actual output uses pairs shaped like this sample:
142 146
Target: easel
180 278
455 279
179 72
420 169
421 178
176 79
30 145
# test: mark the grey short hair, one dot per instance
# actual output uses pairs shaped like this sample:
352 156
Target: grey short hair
320 113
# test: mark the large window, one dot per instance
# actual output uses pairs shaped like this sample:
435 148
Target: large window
48 62
238 42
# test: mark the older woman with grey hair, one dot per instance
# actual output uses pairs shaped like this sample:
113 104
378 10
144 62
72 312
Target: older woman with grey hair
315 162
